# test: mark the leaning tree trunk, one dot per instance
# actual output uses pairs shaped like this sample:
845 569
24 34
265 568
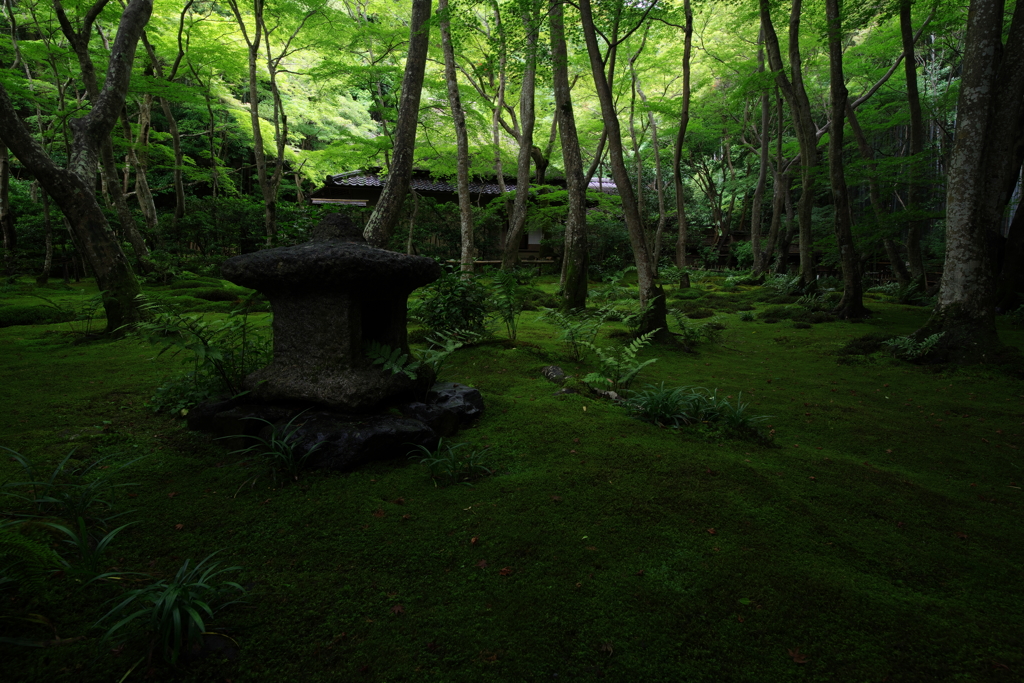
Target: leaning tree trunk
983 168
527 119
385 215
461 138
574 262
10 237
852 303
72 188
677 154
652 297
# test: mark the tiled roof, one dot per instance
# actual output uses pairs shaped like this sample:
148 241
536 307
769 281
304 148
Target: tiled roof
420 181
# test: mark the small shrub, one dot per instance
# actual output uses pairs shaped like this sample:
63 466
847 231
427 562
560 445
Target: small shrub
449 465
578 330
618 368
863 346
507 301
172 612
908 348
214 294
280 451
747 316
698 406
802 326
454 302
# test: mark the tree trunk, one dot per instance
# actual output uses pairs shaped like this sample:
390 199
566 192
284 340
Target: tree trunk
874 194
172 123
575 261
385 215
983 167
44 275
461 138
852 303
10 237
796 96
527 119
762 175
677 155
72 188
651 296
915 198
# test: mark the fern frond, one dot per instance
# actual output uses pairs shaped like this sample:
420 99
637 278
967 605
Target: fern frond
24 560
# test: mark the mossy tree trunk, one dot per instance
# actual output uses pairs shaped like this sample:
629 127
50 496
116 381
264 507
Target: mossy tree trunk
983 169
72 188
575 261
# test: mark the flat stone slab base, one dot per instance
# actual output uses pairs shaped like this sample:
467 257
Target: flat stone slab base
345 440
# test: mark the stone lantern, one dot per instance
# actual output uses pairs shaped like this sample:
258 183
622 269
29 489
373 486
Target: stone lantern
331 297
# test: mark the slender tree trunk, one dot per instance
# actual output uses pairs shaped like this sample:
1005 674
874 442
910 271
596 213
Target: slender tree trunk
677 156
172 123
852 303
575 261
796 96
10 237
461 138
762 175
915 196
44 276
651 295
875 196
385 215
527 119
409 249
983 168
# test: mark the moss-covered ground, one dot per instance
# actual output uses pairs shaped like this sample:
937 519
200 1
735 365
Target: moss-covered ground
879 540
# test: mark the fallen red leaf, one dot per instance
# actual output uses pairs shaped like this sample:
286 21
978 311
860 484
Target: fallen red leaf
133 495
607 647
482 564
798 657
172 494
379 512
398 609
557 499
961 535
712 532
179 527
399 501
489 656
640 573
474 540
406 516
505 571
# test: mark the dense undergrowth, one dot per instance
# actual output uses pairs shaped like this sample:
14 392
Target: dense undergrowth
877 538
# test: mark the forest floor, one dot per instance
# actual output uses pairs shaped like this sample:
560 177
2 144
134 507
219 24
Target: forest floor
879 539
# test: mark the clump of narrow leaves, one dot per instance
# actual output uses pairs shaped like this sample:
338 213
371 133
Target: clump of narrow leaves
449 464
174 613
681 406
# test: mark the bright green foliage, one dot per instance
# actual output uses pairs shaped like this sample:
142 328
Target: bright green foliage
453 303
448 465
617 368
174 612
507 301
